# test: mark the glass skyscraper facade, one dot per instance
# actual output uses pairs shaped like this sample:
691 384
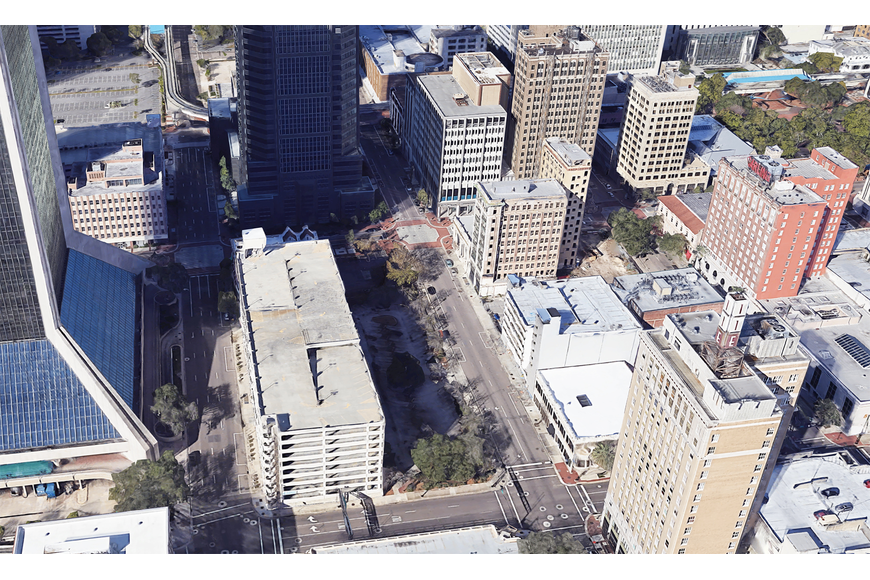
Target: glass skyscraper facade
298 122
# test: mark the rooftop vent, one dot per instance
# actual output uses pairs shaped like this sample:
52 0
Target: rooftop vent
584 401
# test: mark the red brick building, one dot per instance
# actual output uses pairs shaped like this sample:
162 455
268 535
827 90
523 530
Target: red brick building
772 222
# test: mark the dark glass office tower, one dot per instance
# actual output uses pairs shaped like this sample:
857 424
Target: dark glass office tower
68 303
298 122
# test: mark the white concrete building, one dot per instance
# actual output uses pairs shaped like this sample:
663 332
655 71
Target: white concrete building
117 194
456 130
448 42
788 522
583 405
634 48
473 540
319 424
504 37
855 52
138 532
63 32
684 214
834 332
579 321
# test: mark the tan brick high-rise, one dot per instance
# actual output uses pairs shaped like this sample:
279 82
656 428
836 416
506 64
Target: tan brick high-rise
702 429
559 81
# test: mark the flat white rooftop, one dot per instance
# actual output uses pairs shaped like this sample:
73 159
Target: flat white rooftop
443 87
790 509
571 153
686 287
584 304
312 371
592 397
524 188
476 540
137 532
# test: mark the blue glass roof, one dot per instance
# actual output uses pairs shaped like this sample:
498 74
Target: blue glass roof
42 402
99 312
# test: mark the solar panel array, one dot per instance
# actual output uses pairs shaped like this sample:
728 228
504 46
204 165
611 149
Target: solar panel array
855 349
42 402
99 312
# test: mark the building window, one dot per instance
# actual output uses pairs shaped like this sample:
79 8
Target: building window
735 535
711 450
681 551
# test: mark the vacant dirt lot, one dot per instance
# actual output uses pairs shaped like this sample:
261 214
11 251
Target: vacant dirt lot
603 258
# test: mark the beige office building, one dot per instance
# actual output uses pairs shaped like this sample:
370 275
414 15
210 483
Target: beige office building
558 84
701 432
655 132
517 230
569 165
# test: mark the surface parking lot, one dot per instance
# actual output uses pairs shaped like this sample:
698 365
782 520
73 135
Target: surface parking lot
80 94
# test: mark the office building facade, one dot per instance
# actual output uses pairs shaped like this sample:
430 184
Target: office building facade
718 45
698 440
558 85
504 38
655 134
765 204
56 399
455 130
448 42
634 48
298 123
569 165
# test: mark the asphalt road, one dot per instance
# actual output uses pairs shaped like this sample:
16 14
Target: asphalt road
195 191
388 170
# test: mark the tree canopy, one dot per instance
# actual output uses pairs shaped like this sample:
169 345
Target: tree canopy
773 35
173 276
99 44
603 454
172 409
827 413
550 543
633 233
228 303
672 243
442 459
826 61
214 33
422 198
709 92
403 267
381 211
149 484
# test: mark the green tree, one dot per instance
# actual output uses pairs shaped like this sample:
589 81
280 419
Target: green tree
68 50
684 67
856 121
646 194
794 86
173 277
441 459
631 232
134 30
350 237
381 211
826 61
99 44
808 68
773 35
149 484
172 409
115 34
550 543
405 371
422 198
403 267
71 515
227 181
673 243
201 62
230 211
228 303
709 92
603 454
827 413
134 78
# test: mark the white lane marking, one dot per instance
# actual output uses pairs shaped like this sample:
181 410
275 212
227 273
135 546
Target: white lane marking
510 499
517 439
571 495
220 510
504 515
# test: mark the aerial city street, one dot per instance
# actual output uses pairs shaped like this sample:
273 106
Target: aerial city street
471 289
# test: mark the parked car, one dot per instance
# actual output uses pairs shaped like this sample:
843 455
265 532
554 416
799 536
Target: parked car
844 507
822 513
867 483
831 492
449 262
431 290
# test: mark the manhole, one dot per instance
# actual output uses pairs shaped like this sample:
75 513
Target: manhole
222 504
377 530
542 508
551 518
195 531
253 522
225 551
547 524
298 540
510 484
563 516
211 544
235 551
525 493
585 509
294 549
558 506
246 520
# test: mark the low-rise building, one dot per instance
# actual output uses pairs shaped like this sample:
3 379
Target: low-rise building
517 231
319 427
855 52
137 532
473 540
684 214
654 295
389 53
798 518
711 141
834 332
582 405
448 42
566 323
849 269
